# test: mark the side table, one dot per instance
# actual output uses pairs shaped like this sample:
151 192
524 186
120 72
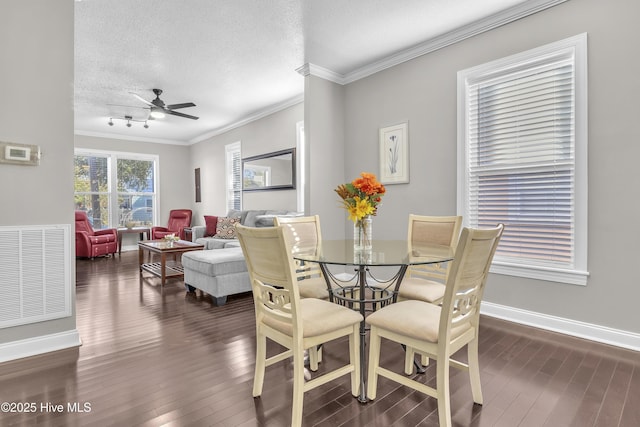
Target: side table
141 231
188 234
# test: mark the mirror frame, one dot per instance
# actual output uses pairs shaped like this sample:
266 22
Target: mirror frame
253 160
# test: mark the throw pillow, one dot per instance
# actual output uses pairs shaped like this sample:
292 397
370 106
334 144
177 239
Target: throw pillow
226 228
211 222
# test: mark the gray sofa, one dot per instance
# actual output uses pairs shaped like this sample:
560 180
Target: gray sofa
249 218
220 269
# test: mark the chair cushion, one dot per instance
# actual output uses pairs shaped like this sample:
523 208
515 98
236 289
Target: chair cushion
314 287
415 319
421 289
226 228
318 317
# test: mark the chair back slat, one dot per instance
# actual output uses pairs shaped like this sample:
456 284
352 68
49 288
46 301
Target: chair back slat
438 230
302 233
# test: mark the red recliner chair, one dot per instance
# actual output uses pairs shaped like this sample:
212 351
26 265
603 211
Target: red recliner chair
178 220
91 243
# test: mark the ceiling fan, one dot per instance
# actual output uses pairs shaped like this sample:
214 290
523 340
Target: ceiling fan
159 108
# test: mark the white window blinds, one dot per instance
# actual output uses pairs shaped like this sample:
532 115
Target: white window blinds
522 161
234 176
520 151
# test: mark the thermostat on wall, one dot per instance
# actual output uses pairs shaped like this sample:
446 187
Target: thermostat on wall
19 154
12 152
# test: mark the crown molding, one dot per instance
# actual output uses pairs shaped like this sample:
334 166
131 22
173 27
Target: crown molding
130 138
477 27
250 118
318 71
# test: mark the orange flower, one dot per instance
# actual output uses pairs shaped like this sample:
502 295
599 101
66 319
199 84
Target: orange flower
368 184
361 196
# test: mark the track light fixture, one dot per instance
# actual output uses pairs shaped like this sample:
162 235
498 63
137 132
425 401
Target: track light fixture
129 120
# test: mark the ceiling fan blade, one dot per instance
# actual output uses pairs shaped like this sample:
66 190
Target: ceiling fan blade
127 106
186 116
176 106
141 99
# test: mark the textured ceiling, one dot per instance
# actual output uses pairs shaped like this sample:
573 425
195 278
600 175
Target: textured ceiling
234 58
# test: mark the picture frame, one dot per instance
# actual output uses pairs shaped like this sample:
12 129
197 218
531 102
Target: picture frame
271 171
394 154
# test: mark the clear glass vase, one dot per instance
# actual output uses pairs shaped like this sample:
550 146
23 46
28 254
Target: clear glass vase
362 233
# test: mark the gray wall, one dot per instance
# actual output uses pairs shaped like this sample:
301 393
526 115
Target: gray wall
324 123
271 133
36 107
423 91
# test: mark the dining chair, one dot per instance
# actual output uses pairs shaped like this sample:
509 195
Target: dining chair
426 282
439 330
293 322
302 233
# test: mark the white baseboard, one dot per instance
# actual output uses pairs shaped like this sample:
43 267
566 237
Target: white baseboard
39 345
574 328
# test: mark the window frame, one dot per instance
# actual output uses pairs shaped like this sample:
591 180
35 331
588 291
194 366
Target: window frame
113 193
576 48
232 187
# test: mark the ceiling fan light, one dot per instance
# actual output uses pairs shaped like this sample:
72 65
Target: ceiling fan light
156 113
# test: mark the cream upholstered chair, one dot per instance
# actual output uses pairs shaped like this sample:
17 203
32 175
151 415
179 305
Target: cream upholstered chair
304 231
295 323
426 282
439 331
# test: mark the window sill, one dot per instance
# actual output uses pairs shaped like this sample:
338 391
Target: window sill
571 277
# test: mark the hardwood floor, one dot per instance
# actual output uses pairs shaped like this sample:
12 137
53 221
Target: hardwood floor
153 357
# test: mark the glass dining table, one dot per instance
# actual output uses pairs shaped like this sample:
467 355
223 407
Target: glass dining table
361 289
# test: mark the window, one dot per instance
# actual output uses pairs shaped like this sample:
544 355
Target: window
523 159
116 189
234 176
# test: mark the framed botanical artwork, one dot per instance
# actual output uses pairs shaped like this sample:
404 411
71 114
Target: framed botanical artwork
394 154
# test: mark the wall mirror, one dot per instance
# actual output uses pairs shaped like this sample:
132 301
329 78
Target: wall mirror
271 171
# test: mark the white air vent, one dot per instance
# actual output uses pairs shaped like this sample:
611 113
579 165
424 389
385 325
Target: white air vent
34 274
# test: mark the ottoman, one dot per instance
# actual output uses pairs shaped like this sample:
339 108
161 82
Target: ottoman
218 272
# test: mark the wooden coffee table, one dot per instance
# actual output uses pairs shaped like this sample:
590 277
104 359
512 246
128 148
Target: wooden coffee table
163 269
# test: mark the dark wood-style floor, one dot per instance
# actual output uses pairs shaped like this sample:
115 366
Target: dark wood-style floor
153 357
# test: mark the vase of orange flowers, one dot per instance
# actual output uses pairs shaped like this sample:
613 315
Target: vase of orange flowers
361 198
